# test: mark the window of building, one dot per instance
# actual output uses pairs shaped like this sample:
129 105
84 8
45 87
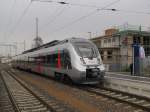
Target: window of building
109 54
146 40
146 45
147 51
136 39
109 40
113 39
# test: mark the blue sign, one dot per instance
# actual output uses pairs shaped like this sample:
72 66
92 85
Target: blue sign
136 49
139 54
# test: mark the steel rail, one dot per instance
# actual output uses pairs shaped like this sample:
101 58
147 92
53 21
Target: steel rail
124 97
34 94
10 96
98 91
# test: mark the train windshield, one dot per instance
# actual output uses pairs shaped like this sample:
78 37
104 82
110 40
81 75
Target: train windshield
86 49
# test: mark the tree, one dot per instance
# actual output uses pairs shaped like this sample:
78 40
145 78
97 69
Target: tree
37 42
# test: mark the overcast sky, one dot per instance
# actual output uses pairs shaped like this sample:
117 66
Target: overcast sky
18 24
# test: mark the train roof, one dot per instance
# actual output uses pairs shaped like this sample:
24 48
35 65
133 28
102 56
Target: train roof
52 43
55 42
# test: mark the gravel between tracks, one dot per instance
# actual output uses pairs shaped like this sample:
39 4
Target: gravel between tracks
5 103
81 100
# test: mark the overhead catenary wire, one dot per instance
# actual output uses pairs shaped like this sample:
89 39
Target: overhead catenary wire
67 3
92 6
20 18
85 16
54 18
73 22
83 5
51 18
131 11
87 5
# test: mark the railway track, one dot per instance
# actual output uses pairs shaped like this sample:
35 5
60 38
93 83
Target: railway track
5 102
142 103
26 100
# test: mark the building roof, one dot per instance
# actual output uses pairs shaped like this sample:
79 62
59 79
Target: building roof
134 32
127 32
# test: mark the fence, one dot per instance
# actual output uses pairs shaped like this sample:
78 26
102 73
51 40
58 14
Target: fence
121 63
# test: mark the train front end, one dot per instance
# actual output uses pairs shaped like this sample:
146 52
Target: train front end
90 67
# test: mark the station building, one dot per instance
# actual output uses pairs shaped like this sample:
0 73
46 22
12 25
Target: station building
116 49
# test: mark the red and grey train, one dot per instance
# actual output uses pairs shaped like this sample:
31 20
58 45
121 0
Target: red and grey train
76 59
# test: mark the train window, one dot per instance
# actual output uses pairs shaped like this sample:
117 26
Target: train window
48 59
86 49
55 59
52 60
35 60
31 59
40 59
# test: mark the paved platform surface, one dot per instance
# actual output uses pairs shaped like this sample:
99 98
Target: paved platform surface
127 75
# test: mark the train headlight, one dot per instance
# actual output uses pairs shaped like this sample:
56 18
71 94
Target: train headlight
82 60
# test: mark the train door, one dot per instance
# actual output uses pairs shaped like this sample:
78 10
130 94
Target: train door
63 64
67 60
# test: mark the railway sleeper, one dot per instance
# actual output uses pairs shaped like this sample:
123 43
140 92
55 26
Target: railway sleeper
32 107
